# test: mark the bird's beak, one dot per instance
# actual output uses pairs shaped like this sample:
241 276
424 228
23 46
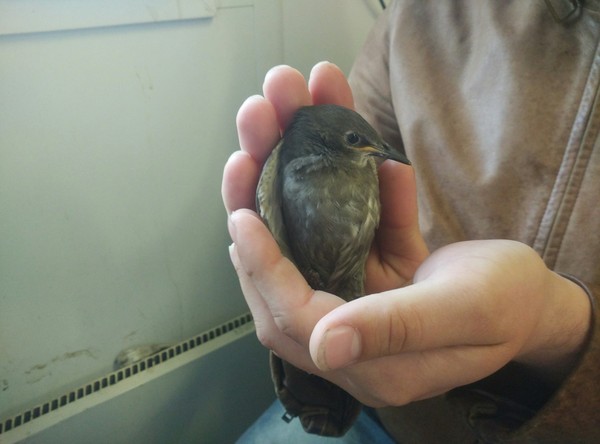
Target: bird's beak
386 152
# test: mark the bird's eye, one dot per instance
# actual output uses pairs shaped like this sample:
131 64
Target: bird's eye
352 138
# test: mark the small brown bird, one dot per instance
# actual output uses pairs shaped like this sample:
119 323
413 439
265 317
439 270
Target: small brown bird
319 196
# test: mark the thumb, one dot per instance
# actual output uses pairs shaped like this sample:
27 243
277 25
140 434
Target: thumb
420 317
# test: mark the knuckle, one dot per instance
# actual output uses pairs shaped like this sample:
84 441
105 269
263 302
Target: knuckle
291 318
264 339
401 329
265 335
283 323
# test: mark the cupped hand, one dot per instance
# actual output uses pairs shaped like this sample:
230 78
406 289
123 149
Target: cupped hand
474 306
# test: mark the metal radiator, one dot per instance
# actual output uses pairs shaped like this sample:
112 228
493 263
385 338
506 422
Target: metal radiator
35 420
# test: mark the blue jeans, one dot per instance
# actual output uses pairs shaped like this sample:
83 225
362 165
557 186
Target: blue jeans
270 428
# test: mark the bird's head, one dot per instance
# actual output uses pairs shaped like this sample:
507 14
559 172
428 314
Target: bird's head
337 132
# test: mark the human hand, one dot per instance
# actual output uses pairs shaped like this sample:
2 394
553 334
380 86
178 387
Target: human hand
398 247
474 306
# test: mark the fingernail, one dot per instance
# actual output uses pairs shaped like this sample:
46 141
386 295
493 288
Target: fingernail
341 346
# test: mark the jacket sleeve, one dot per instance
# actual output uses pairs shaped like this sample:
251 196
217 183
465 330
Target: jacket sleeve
514 405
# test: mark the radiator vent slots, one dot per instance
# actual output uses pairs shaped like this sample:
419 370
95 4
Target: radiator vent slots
242 323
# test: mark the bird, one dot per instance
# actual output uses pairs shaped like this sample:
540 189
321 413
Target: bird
318 194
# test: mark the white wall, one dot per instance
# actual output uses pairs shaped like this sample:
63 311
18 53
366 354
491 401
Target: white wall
112 143
334 30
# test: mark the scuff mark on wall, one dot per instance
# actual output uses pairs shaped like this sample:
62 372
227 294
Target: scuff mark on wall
130 335
145 80
40 371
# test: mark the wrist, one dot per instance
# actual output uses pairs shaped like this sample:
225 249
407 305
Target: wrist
560 336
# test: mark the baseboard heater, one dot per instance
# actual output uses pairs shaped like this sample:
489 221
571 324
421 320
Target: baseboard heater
40 417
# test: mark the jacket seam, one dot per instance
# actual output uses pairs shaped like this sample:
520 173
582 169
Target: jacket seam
563 197
573 189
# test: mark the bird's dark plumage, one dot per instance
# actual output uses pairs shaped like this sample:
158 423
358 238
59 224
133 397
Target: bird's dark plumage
319 195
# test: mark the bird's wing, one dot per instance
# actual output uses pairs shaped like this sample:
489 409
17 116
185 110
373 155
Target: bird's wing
268 200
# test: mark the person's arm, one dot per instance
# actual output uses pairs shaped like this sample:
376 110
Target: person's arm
551 394
473 307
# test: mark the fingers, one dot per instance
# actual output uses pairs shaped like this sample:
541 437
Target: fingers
286 89
257 127
260 121
238 186
328 84
258 133
267 331
274 283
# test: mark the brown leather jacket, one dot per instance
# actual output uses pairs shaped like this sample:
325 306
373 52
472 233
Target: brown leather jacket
498 106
